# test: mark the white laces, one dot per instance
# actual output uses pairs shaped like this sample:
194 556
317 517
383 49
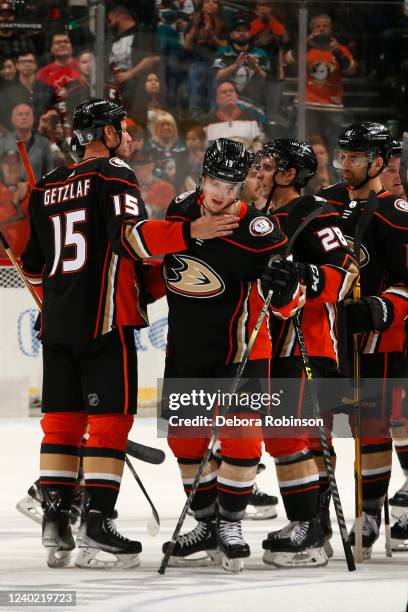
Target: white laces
299 530
194 536
369 524
231 532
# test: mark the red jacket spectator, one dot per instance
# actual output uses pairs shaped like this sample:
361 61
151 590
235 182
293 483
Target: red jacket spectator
63 69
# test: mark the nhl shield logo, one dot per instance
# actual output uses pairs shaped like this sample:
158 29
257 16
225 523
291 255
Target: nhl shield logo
261 226
93 399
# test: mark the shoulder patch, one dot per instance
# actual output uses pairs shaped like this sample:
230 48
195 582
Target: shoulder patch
183 196
119 163
261 226
401 205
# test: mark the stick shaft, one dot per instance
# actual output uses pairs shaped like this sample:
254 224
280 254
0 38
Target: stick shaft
26 163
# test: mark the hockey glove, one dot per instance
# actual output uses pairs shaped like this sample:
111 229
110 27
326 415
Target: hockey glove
313 277
282 278
369 314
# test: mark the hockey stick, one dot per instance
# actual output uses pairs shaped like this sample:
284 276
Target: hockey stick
26 163
153 524
19 271
388 549
325 445
404 163
234 387
367 215
145 453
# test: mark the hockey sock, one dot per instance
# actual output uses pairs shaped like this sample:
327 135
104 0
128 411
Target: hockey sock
103 459
298 479
400 439
60 449
376 459
204 500
235 484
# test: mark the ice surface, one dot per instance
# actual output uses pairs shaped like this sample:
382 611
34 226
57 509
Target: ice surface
380 585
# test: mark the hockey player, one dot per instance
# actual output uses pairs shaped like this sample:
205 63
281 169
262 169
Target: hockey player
214 301
391 181
327 271
363 154
89 233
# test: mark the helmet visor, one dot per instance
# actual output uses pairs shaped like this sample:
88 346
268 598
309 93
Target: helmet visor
214 187
351 159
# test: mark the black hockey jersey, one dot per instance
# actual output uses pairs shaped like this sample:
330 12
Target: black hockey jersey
383 258
322 244
88 226
213 294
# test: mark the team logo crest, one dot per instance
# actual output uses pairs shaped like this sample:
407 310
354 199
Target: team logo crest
364 255
119 163
192 277
320 71
261 226
93 399
401 205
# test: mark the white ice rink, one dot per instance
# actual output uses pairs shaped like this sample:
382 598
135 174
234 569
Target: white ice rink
380 585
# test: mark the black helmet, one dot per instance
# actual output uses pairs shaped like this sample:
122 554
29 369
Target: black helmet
227 160
369 137
91 116
290 153
396 148
77 150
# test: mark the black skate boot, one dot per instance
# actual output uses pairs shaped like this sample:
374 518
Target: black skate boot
261 505
202 539
325 522
233 547
399 533
30 505
399 501
56 529
299 544
371 522
98 533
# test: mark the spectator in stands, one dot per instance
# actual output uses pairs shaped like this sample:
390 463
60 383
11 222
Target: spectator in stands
153 99
131 57
78 90
191 161
38 147
229 120
12 41
8 71
166 146
63 69
269 34
247 66
324 176
202 39
13 203
51 127
327 62
28 89
156 193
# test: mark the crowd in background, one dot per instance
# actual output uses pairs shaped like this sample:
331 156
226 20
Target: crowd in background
189 71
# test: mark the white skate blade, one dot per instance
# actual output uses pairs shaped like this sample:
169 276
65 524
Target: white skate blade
399 545
58 558
311 557
87 558
30 507
398 511
328 549
232 565
260 513
204 558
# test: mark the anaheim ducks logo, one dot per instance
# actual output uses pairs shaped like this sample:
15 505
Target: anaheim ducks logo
364 256
190 276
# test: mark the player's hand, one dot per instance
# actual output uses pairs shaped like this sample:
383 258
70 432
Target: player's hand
213 226
370 313
281 276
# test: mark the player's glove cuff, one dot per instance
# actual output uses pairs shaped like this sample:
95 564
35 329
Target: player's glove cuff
313 277
370 313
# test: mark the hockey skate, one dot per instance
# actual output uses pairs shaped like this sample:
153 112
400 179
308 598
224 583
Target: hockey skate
299 544
370 530
399 501
261 505
233 547
30 505
202 539
399 533
56 530
97 534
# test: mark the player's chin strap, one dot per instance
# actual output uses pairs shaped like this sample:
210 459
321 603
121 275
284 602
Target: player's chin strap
368 178
112 150
272 192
